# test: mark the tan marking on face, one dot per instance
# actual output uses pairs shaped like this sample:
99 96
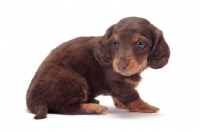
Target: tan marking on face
133 66
137 67
135 38
132 82
115 67
117 37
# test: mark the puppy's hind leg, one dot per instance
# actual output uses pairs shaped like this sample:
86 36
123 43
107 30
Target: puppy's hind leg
92 108
77 101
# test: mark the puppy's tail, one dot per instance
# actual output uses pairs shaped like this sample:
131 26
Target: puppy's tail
41 111
37 107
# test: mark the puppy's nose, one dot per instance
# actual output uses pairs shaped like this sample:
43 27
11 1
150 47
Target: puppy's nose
122 65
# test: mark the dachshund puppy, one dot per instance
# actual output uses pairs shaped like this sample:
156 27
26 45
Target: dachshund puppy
79 70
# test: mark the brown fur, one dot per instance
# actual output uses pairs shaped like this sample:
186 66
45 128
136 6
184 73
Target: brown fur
79 70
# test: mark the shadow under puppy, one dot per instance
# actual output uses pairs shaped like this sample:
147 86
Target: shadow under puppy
79 70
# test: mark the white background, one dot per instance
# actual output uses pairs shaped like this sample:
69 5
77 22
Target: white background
29 30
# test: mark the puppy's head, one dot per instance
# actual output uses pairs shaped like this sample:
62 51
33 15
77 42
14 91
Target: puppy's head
131 45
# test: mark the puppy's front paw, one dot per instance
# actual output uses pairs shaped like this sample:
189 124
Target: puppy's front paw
117 103
140 106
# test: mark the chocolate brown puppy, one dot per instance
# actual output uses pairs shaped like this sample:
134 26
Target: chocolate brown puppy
77 71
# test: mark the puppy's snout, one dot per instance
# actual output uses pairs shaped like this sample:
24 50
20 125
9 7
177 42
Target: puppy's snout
122 65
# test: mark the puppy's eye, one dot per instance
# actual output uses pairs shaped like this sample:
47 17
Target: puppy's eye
139 45
115 44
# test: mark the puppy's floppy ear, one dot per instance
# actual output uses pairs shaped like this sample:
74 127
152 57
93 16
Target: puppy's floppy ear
160 52
101 52
109 31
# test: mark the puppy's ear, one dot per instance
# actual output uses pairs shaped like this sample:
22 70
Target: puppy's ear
109 31
101 51
160 52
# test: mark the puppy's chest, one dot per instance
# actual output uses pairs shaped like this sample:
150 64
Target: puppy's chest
131 81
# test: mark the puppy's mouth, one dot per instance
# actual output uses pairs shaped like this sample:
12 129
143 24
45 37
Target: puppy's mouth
128 67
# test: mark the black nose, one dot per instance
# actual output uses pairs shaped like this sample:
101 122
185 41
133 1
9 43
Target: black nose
122 65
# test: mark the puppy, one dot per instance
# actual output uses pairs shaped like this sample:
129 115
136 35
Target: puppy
79 70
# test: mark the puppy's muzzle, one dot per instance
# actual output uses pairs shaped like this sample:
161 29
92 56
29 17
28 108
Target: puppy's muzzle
128 67
122 64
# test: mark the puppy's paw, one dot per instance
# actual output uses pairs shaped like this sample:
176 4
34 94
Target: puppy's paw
146 108
140 106
117 103
92 108
100 109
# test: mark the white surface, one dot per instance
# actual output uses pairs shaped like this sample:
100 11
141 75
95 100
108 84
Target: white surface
30 29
